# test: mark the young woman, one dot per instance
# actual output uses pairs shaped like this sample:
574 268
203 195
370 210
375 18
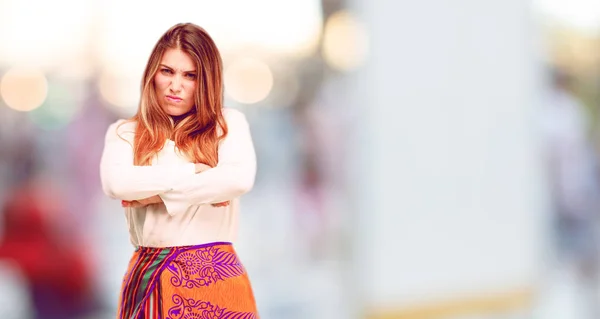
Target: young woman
179 167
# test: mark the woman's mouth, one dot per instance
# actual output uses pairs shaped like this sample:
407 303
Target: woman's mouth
174 99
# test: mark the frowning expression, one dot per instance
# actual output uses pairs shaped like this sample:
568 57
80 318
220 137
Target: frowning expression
175 82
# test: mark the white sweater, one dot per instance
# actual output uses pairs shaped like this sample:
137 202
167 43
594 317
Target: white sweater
186 217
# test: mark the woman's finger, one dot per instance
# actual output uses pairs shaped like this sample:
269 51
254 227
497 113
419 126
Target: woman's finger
133 203
221 204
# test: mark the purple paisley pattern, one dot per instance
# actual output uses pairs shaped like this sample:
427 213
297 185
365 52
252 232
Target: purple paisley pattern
202 267
197 309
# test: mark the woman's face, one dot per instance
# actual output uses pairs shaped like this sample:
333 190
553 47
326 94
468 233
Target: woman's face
175 82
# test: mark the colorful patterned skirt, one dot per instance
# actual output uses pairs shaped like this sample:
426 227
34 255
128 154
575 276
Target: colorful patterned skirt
189 282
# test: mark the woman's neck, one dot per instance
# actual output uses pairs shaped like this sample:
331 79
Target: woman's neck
179 118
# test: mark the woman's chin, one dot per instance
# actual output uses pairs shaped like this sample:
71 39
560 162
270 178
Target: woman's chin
175 111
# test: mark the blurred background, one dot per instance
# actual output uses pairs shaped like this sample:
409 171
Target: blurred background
417 159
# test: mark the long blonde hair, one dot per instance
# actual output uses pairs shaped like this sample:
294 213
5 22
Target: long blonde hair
198 134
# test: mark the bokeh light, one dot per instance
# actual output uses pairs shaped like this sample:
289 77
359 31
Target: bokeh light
286 89
58 110
39 33
120 90
248 80
297 32
23 89
581 14
345 42
286 27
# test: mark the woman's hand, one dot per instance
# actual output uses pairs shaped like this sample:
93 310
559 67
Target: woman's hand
200 167
142 202
221 204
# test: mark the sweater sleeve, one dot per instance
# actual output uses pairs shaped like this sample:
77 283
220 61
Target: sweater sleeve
122 180
232 177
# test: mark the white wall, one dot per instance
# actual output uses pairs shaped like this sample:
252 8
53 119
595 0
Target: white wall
448 185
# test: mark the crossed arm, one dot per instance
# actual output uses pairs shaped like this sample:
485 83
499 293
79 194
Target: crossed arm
180 186
200 167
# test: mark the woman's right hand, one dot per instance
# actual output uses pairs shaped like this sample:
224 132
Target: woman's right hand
142 202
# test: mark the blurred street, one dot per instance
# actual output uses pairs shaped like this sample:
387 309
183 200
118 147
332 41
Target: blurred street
416 160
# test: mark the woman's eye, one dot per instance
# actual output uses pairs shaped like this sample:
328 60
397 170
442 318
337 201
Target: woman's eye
166 71
190 76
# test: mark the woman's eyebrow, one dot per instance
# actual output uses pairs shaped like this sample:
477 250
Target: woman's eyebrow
168 67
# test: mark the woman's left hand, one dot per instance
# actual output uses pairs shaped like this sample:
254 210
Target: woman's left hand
221 204
142 202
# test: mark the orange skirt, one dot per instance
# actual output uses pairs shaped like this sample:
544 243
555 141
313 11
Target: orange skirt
203 281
